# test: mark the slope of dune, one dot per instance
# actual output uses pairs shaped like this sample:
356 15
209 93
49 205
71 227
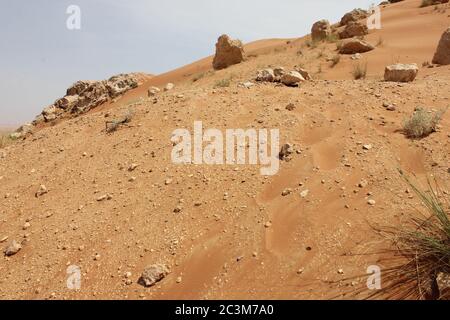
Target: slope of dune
115 202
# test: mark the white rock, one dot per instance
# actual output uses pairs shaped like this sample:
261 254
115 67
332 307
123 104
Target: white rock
401 72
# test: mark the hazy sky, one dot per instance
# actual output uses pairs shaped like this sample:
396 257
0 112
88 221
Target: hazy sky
40 57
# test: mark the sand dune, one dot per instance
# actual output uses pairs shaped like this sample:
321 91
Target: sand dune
235 235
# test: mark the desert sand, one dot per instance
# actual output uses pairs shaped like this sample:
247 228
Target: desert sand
110 200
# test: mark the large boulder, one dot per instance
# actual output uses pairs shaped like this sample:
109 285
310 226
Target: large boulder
320 30
352 46
442 55
228 52
401 72
354 29
354 15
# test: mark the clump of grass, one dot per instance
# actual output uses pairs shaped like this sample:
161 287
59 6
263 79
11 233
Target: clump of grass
332 38
113 125
422 123
4 140
359 71
423 244
223 83
198 77
311 43
380 42
426 3
335 60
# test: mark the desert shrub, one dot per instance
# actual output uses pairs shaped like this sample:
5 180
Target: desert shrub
5 139
223 83
426 3
335 60
380 41
359 71
311 43
113 125
422 123
198 77
332 38
422 245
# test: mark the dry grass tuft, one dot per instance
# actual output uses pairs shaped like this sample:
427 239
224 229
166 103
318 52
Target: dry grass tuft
423 244
359 71
422 123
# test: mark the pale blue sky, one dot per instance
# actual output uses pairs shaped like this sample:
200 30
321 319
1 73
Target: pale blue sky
40 57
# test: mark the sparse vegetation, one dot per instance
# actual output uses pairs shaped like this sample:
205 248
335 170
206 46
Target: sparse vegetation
360 71
311 43
423 244
223 83
380 41
426 3
202 75
198 77
332 38
422 123
5 139
335 60
113 125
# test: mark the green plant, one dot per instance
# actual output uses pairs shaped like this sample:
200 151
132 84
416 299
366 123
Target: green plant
359 71
422 243
422 123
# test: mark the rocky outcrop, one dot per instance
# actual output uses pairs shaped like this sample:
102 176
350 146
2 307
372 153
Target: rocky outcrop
401 72
352 46
228 52
354 15
279 75
354 29
83 96
320 30
442 55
